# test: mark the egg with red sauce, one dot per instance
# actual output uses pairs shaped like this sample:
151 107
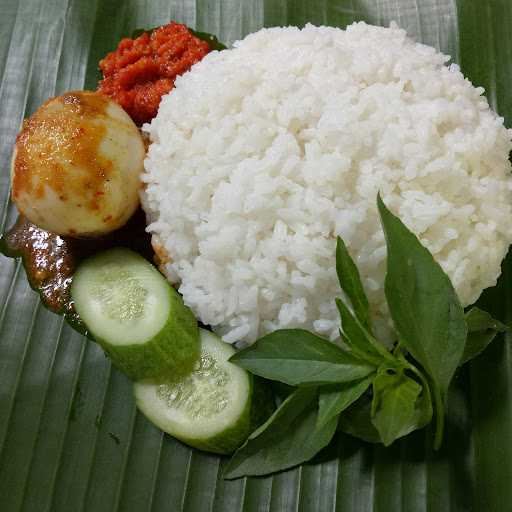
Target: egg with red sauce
76 165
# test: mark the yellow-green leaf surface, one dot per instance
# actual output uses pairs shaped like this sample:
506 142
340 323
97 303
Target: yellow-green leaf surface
70 437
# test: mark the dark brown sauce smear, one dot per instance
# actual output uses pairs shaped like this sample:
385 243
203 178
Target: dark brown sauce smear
50 260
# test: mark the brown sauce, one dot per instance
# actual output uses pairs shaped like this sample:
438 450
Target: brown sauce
50 260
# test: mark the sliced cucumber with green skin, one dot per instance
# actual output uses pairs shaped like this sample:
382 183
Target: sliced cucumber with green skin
135 315
215 407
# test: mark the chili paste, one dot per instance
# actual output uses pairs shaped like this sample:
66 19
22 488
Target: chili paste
140 71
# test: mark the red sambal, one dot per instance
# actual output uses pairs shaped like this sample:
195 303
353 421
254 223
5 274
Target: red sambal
140 71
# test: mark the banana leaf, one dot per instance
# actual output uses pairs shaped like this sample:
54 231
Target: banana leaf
70 436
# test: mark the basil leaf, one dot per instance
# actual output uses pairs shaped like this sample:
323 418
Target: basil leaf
356 420
298 357
423 304
350 282
479 320
356 336
289 437
397 408
333 400
482 329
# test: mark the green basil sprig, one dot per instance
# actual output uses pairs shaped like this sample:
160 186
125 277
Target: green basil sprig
361 387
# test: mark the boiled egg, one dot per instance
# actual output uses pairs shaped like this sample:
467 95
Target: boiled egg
76 165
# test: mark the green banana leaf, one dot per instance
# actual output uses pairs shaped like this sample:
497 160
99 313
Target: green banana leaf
70 436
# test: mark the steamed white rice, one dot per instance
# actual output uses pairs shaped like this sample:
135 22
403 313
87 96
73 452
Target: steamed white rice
262 154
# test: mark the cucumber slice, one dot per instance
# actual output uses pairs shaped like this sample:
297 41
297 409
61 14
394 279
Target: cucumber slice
215 407
135 314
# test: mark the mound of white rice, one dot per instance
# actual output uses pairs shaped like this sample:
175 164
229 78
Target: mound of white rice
262 154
